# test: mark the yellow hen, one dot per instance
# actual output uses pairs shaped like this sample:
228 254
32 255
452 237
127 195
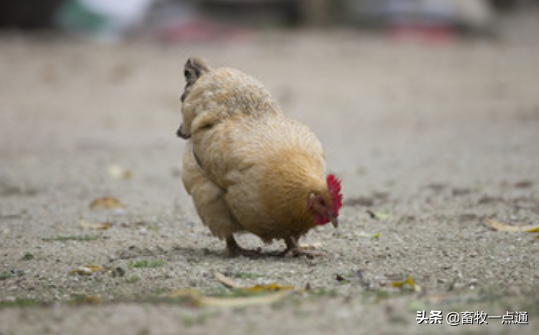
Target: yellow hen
247 167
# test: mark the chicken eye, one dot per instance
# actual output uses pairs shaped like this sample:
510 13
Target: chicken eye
322 202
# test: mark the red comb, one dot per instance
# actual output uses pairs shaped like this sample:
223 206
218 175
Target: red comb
334 187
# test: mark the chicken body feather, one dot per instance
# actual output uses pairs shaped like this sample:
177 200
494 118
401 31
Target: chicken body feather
247 166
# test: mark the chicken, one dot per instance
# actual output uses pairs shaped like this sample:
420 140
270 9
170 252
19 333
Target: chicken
247 167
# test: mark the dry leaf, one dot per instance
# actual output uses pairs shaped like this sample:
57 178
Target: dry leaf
367 235
105 203
251 289
310 246
86 299
89 225
409 281
267 288
199 299
507 228
266 299
118 172
378 215
276 293
226 281
87 270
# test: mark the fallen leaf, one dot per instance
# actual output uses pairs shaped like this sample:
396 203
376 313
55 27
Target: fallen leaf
118 172
250 289
266 299
87 270
83 298
106 203
378 215
267 288
367 235
408 282
199 299
507 228
226 281
89 225
310 246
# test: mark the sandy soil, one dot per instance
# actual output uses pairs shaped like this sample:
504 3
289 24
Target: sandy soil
439 138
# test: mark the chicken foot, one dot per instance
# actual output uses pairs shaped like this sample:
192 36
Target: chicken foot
293 249
234 250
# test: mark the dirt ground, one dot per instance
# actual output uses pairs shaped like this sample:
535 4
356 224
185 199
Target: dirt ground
435 139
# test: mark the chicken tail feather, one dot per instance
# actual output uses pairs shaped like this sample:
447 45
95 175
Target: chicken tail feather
194 68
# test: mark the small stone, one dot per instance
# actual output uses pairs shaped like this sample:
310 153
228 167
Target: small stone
118 272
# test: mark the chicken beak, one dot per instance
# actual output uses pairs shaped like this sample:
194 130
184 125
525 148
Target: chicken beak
335 222
181 134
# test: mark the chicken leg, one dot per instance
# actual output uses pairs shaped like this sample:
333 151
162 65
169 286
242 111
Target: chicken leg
233 249
293 249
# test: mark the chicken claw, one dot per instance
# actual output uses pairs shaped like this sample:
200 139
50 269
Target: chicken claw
234 250
293 250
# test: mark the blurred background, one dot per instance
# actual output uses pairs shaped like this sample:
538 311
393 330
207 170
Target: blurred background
180 20
382 82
